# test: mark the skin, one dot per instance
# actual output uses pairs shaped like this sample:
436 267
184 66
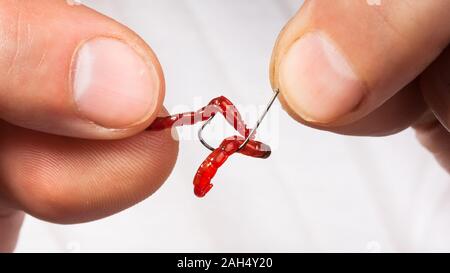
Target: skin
59 167
52 165
398 50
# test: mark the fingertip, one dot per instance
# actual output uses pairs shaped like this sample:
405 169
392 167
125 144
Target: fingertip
317 81
333 69
96 80
66 181
112 85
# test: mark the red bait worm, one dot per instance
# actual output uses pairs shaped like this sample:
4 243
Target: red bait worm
229 146
244 144
220 105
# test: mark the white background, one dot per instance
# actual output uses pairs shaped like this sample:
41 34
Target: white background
318 191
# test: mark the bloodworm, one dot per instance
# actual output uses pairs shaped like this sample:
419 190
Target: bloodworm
220 105
229 146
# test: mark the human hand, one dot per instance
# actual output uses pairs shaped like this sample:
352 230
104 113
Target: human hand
370 68
68 73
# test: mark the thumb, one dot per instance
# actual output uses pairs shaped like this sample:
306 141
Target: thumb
69 70
337 61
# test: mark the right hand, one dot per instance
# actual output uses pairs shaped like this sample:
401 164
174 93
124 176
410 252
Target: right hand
354 68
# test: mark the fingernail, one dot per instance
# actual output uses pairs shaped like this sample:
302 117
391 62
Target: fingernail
317 81
112 85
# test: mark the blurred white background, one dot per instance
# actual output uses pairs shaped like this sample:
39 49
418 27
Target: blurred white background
317 192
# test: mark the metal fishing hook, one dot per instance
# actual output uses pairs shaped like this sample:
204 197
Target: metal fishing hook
249 137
